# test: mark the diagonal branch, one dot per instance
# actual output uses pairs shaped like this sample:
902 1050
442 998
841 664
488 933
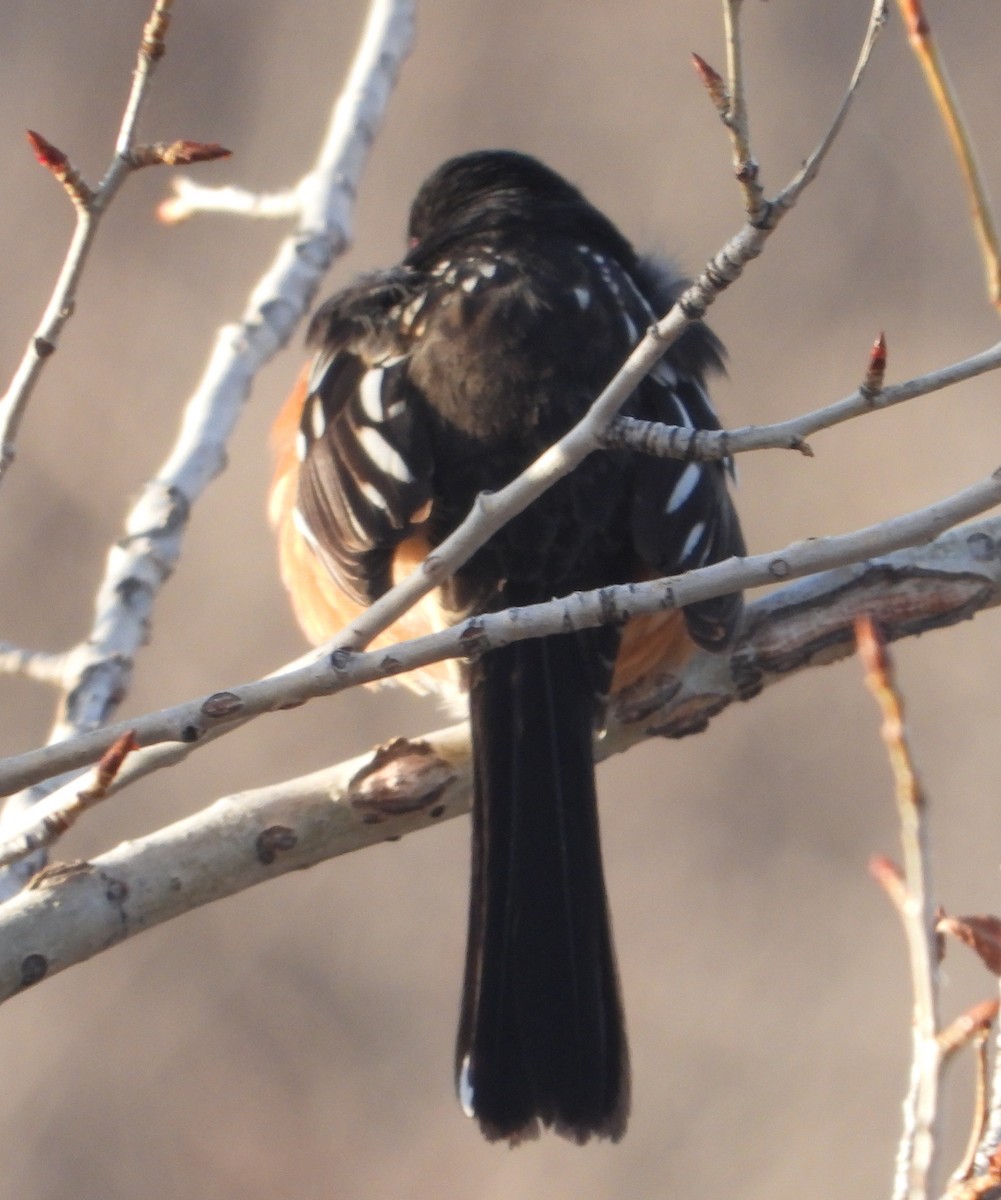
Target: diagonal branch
97 672
943 94
489 514
333 669
73 912
90 205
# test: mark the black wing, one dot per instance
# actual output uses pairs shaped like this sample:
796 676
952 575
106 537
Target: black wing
365 464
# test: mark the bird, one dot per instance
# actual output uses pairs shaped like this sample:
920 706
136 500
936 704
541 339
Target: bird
436 380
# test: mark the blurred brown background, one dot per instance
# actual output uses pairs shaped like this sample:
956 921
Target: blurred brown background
296 1041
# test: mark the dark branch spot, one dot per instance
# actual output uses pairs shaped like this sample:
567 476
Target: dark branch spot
33 969
274 840
339 659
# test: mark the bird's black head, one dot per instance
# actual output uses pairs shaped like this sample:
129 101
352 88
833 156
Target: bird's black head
497 191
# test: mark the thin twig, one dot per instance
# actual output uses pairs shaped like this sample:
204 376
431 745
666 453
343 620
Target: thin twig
947 102
981 1106
735 116
40 665
705 445
191 197
90 205
98 671
915 1158
151 50
49 821
808 172
991 1140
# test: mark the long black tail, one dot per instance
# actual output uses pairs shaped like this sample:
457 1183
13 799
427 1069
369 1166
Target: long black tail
541 1036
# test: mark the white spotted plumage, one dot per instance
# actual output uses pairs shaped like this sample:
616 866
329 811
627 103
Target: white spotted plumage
684 487
370 394
317 418
382 454
693 539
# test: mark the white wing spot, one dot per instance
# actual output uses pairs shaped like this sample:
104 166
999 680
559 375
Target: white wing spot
469 284
583 297
466 1088
694 536
488 270
373 495
370 394
382 454
396 409
301 446
684 487
317 419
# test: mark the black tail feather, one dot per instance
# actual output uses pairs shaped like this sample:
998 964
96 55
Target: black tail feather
541 1037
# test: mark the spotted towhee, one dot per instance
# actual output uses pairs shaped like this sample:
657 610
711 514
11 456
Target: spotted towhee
444 377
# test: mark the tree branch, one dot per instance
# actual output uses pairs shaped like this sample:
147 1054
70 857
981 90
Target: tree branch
707 445
97 673
72 912
90 205
958 578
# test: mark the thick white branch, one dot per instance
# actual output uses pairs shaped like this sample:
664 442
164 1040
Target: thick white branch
98 671
75 911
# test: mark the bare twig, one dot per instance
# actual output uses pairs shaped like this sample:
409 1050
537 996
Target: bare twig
736 119
981 1109
40 665
50 821
987 1151
947 102
90 205
983 935
191 197
915 1157
97 672
808 172
704 445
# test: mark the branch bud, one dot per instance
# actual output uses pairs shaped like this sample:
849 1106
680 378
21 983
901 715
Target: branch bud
712 81
872 382
181 153
54 160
